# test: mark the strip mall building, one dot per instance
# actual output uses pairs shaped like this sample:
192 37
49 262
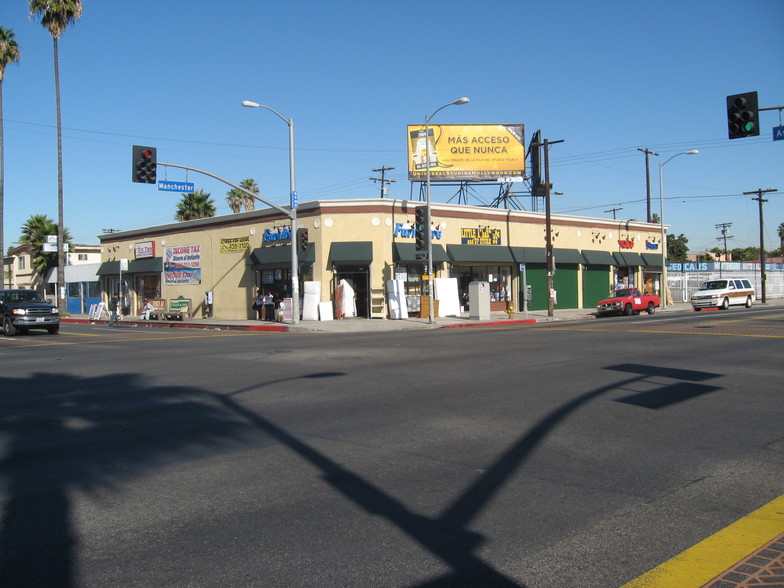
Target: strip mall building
369 242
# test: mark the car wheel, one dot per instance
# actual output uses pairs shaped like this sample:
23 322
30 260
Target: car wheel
627 310
53 330
748 301
651 308
9 330
725 304
697 309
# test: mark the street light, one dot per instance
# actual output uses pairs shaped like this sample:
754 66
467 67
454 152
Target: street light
428 220
293 214
661 221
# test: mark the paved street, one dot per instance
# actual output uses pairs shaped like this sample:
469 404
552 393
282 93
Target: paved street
570 453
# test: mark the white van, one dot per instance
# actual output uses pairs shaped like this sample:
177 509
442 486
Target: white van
724 293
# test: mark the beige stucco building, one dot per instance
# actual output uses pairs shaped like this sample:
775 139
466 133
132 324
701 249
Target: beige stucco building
369 242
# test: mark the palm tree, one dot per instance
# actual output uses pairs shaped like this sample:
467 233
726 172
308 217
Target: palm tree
55 16
234 199
9 53
237 198
199 204
34 232
781 237
251 186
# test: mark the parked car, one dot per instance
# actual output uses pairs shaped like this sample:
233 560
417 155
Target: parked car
21 310
723 294
627 301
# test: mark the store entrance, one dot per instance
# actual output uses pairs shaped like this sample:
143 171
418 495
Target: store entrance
358 277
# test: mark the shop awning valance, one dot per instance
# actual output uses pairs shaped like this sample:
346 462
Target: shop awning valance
479 254
109 268
281 255
627 259
567 256
351 252
529 254
407 253
598 257
652 259
150 265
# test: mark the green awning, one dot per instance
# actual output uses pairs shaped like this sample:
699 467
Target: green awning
567 256
529 254
351 252
652 259
480 254
109 268
150 265
281 255
407 253
627 259
598 257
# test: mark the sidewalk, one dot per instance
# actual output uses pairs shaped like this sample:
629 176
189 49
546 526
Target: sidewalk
356 325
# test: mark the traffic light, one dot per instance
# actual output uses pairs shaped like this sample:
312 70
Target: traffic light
302 240
743 115
144 165
420 227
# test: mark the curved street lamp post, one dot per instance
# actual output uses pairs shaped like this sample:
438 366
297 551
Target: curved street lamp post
428 220
292 214
664 287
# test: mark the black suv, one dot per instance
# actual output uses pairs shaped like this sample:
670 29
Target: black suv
26 309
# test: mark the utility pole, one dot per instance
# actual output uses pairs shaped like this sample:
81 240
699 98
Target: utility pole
549 227
724 227
382 179
725 236
613 210
761 200
647 179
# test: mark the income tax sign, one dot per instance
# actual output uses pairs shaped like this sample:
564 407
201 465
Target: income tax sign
466 152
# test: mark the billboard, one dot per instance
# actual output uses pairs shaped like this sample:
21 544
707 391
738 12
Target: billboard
466 152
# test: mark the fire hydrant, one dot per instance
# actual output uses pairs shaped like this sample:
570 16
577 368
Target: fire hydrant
510 311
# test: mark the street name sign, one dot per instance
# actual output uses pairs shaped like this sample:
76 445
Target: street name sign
186 187
778 133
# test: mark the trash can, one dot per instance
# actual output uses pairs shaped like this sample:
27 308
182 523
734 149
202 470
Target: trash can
479 301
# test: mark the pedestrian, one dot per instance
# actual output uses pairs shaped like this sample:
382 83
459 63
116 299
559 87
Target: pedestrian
146 309
258 305
114 306
269 306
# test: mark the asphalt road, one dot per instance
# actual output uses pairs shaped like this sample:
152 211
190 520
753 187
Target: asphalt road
564 454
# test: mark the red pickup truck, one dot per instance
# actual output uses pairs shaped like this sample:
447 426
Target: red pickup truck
627 301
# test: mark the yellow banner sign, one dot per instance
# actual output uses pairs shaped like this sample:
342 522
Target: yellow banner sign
466 152
234 245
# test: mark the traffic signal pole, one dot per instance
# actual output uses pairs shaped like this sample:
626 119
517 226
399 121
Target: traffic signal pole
290 214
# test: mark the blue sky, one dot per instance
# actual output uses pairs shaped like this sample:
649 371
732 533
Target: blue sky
606 77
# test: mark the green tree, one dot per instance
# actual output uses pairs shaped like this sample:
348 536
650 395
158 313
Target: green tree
9 53
199 204
56 16
677 248
237 198
251 186
746 254
34 232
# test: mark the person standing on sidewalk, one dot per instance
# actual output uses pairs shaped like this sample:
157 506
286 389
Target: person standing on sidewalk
114 306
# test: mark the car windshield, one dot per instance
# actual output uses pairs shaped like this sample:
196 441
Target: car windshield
715 285
22 296
623 293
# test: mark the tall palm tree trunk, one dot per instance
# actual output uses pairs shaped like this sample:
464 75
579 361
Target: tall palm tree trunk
60 224
2 188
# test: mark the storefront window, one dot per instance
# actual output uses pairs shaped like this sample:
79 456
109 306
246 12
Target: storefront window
147 287
624 277
499 279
